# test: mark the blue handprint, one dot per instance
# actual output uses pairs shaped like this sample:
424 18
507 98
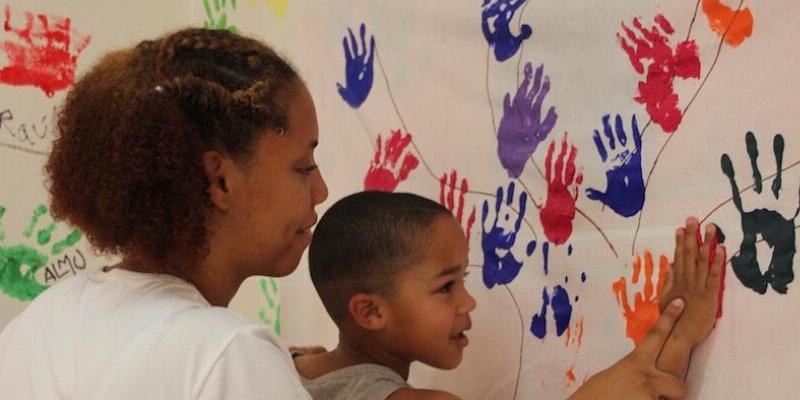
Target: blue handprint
358 68
499 13
562 312
521 128
497 269
624 185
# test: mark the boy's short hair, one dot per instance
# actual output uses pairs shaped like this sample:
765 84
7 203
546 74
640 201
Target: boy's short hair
363 240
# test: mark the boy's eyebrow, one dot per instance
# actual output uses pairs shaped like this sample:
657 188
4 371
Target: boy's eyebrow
449 271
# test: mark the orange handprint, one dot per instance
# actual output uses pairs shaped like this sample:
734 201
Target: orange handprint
736 25
645 311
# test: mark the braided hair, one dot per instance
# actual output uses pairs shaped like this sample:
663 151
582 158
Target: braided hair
126 166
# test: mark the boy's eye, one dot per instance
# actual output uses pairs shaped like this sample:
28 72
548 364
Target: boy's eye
447 287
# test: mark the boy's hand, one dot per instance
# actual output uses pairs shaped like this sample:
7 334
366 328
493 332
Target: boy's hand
695 281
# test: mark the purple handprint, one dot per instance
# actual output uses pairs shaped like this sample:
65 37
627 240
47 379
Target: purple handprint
497 269
358 68
624 185
499 13
521 127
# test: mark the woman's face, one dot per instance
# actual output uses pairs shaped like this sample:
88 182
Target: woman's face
281 184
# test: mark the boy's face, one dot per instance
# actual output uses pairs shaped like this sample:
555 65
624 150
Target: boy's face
429 306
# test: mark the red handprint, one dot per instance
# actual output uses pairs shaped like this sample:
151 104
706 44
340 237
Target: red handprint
656 92
384 172
43 53
645 311
735 25
447 198
562 193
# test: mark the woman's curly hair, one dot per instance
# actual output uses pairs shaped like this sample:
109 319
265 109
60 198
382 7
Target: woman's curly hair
126 163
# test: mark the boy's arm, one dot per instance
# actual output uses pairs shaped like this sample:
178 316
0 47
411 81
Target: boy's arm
421 394
635 377
693 280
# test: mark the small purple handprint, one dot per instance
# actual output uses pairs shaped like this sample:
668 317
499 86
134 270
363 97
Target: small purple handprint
499 13
358 68
624 184
521 127
497 269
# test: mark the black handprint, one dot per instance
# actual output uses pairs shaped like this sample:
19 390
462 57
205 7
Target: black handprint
776 231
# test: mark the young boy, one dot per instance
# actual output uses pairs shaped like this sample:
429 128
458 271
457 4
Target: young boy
390 268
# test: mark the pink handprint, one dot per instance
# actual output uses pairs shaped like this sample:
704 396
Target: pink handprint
43 52
656 91
447 198
384 172
562 193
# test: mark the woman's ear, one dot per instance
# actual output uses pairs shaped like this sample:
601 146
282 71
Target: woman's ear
368 311
220 172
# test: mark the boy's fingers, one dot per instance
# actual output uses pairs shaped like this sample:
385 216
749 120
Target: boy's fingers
691 242
652 343
703 263
715 271
677 266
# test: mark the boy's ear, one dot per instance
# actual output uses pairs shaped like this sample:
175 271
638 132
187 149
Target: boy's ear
369 311
220 171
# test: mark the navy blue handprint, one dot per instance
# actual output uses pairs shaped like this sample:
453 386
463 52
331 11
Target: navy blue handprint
358 68
775 229
623 160
495 17
501 269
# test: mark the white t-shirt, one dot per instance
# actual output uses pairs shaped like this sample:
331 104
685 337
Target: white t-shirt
127 335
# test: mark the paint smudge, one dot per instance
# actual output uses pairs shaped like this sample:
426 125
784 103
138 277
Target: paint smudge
665 64
562 305
447 198
43 52
19 263
500 265
623 161
521 128
277 7
724 20
562 192
386 171
645 312
775 229
270 312
496 15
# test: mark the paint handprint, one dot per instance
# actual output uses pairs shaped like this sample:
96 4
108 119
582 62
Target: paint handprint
358 68
217 15
735 25
19 263
270 312
775 229
500 266
384 172
562 193
522 127
665 64
447 198
644 312
43 52
496 16
623 159
560 303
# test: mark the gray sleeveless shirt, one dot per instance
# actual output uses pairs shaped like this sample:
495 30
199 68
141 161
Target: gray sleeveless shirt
357 382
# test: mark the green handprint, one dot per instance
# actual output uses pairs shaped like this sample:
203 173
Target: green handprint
217 17
19 263
270 313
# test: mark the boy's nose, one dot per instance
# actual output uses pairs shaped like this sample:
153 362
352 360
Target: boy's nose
469 303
